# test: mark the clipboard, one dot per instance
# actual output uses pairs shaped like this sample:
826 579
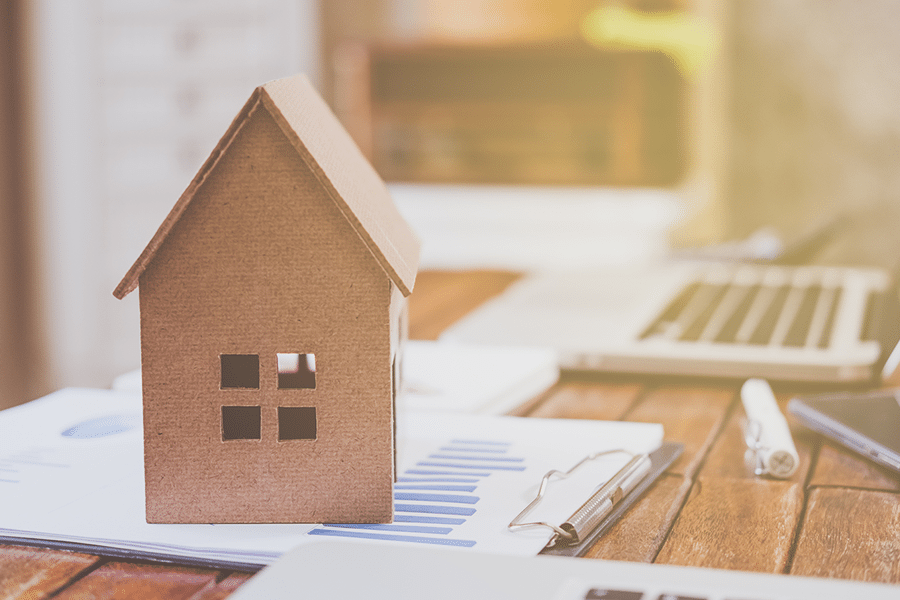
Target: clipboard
660 460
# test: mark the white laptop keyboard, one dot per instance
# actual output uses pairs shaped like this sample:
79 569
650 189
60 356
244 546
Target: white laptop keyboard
802 323
773 306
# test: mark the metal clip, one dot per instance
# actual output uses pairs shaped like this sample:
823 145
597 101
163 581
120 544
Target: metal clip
752 436
586 518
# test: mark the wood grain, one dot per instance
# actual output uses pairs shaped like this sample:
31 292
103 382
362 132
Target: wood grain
851 534
729 457
640 534
223 587
588 400
138 580
840 467
690 414
35 573
708 510
441 297
742 524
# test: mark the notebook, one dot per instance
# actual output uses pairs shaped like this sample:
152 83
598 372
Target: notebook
798 323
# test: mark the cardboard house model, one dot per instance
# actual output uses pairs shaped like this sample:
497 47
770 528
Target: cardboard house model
273 307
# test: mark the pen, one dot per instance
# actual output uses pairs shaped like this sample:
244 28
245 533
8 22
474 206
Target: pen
767 431
586 518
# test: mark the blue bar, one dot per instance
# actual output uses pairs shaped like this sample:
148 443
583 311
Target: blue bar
427 519
428 472
495 467
435 487
435 509
455 498
494 458
394 538
491 450
397 528
437 480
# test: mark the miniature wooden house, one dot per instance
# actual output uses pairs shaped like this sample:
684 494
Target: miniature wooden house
272 304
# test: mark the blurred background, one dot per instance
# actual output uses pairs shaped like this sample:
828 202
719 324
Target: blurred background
596 128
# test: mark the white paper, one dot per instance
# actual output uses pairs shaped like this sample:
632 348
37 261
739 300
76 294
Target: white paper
90 489
469 378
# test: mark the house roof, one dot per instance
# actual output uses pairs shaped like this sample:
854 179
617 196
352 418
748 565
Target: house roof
326 148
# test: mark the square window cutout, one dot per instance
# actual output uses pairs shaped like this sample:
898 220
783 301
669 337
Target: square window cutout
240 423
296 371
296 423
239 371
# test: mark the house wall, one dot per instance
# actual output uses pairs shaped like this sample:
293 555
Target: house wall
399 333
261 263
399 319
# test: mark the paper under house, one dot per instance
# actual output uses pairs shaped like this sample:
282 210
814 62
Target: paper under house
273 308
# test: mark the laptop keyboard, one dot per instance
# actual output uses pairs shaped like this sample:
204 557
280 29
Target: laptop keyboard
758 306
611 594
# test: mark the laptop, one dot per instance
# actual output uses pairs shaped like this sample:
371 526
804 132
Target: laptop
372 570
796 323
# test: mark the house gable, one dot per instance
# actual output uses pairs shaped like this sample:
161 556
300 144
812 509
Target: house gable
325 147
351 181
260 229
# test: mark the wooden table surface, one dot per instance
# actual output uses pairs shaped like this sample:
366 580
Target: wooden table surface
838 516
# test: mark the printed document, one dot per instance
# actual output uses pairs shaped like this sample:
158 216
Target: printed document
71 474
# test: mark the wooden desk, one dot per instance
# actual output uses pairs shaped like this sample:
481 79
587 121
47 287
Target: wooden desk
839 516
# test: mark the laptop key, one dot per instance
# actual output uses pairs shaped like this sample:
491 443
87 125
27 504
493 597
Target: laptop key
700 310
728 332
874 308
732 301
796 335
825 338
766 325
665 323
